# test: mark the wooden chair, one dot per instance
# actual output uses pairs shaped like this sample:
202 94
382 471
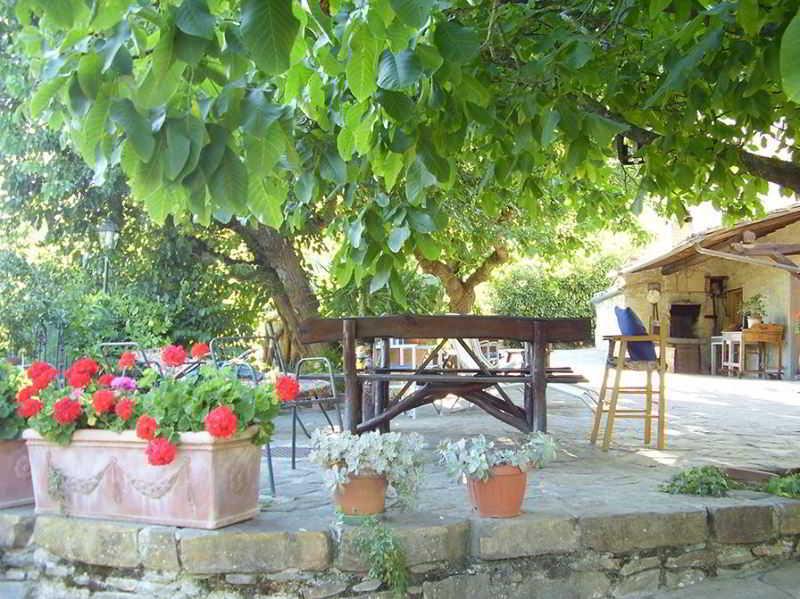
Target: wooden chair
618 361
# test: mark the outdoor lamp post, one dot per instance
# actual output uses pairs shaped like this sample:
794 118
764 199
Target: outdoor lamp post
109 235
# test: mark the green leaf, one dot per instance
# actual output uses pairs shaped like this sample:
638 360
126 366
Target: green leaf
78 102
456 43
229 186
790 60
332 167
398 237
94 127
45 92
429 248
89 69
178 147
156 89
413 13
549 124
136 127
747 15
658 6
109 13
265 200
362 68
269 29
382 272
194 19
421 222
603 129
259 113
397 71
433 161
112 45
430 57
398 106
61 12
678 74
189 48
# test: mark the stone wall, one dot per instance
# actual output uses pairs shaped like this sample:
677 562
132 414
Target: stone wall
547 555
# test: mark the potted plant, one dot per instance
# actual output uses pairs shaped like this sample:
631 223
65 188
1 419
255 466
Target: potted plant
15 471
496 477
754 308
359 468
180 452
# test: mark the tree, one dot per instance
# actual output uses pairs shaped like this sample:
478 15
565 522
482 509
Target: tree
280 120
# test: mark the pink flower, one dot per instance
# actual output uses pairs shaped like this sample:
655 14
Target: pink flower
123 383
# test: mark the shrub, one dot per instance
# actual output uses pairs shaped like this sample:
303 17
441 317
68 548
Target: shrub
703 480
786 486
11 424
379 548
549 291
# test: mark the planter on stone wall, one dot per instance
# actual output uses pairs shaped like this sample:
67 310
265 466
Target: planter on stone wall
212 482
363 495
500 495
15 474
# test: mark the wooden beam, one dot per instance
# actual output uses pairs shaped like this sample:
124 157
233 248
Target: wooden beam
766 249
794 268
557 330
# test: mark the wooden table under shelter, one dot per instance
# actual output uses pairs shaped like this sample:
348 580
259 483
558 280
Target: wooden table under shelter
365 411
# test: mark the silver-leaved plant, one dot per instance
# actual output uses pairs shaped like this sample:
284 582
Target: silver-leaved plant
475 457
396 456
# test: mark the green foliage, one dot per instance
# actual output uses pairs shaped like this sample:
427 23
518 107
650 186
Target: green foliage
474 458
11 424
550 291
182 405
380 549
702 480
755 305
786 486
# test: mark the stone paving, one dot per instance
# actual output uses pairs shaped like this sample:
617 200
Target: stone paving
777 583
712 420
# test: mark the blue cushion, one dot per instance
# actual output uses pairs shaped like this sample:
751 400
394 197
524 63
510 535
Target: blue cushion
630 325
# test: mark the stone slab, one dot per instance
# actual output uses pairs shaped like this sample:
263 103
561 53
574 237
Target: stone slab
256 546
97 542
16 527
743 523
621 533
788 514
424 538
528 535
158 548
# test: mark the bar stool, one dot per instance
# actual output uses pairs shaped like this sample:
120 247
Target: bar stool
634 351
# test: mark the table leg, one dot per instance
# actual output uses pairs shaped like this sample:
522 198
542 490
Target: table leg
352 387
538 379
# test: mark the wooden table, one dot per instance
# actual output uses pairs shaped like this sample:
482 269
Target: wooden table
760 337
432 384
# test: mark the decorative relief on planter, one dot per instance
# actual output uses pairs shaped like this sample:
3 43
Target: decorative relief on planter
103 474
15 474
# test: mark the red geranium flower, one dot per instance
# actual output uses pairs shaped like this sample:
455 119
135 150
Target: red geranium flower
160 452
66 410
221 422
41 375
26 393
86 366
287 387
146 427
124 409
77 379
200 350
30 407
103 401
127 360
173 355
105 379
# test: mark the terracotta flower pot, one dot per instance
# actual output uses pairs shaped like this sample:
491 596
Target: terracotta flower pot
102 474
15 474
364 495
501 495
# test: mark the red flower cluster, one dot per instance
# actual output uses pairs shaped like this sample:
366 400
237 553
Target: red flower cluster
160 452
30 407
287 387
173 355
26 393
146 427
66 410
103 401
80 374
200 350
127 360
41 374
104 380
124 409
221 422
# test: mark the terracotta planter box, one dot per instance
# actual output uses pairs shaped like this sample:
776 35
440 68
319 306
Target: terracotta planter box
103 474
364 495
501 495
15 474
